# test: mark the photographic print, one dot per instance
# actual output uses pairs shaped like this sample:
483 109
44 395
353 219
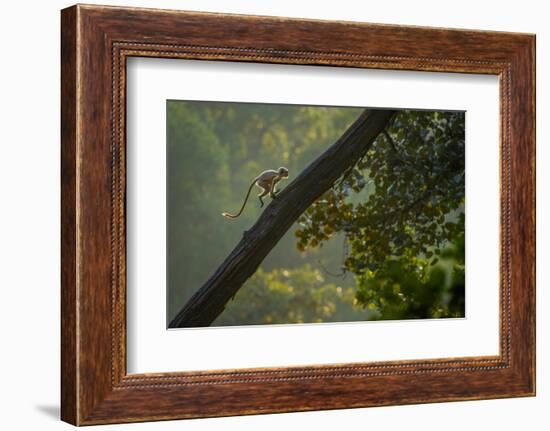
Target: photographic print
289 214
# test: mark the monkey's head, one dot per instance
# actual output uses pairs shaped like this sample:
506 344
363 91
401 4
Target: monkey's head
283 172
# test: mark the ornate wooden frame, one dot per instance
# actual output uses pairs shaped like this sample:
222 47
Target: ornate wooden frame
95 43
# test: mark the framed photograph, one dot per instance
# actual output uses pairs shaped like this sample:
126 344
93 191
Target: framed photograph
264 214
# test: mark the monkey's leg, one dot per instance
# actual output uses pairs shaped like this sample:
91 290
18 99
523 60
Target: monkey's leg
261 195
273 190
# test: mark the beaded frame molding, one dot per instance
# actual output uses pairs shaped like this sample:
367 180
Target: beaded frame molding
95 43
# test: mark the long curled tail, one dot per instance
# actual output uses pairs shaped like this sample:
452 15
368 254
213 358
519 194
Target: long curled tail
227 215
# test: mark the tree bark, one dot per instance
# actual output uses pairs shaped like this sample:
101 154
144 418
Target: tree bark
210 300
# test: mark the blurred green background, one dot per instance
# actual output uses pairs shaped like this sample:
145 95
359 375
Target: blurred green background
314 274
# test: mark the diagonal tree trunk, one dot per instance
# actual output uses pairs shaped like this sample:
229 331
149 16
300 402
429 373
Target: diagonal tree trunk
210 300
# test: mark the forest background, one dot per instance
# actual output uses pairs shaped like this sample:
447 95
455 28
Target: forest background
385 242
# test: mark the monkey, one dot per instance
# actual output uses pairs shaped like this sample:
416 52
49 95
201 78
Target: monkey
267 181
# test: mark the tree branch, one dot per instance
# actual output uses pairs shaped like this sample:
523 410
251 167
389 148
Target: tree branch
210 300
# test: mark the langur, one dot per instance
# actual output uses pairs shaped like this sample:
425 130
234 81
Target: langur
266 181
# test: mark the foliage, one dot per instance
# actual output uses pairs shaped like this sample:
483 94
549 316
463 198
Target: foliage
406 288
398 207
298 295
